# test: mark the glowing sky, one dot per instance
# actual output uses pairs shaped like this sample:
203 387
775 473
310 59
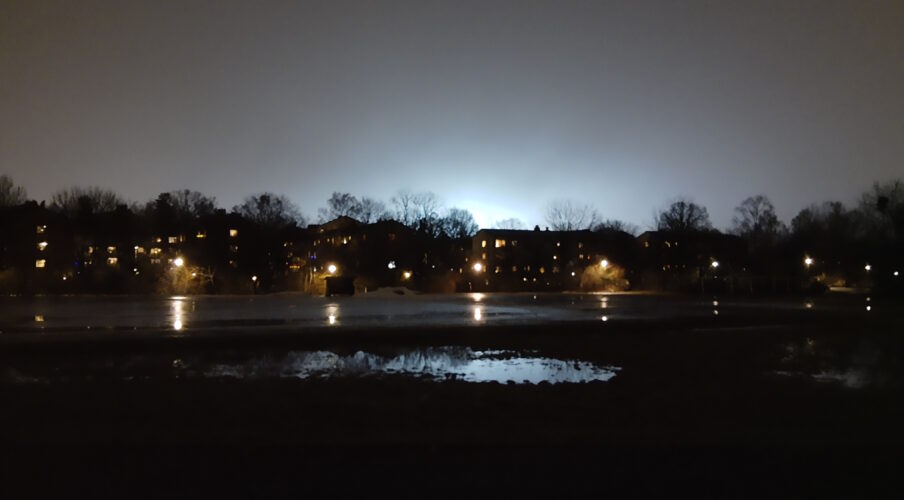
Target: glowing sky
497 106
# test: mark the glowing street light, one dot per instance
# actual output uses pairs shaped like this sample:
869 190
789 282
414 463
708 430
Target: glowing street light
604 263
254 278
868 267
178 262
808 261
406 275
331 268
714 264
478 267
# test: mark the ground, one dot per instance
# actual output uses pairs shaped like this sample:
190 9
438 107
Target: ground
793 397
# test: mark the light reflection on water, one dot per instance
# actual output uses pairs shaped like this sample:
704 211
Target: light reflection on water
437 364
178 312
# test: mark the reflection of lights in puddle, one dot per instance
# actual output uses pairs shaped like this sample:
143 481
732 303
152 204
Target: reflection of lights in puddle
332 314
436 364
478 314
604 302
178 312
477 297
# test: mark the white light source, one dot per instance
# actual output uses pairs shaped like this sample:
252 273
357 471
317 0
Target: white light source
868 267
808 261
895 273
331 268
478 267
406 275
178 262
254 278
604 263
715 264
391 264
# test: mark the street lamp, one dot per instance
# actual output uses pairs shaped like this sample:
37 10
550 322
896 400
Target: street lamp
178 262
715 264
604 263
331 268
868 267
478 267
808 261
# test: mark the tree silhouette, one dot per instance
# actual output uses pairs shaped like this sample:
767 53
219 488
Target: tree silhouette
755 219
683 215
567 215
11 194
270 210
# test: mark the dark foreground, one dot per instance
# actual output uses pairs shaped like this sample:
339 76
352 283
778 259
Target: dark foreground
759 401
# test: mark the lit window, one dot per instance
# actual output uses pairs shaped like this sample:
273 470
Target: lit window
514 243
498 269
90 250
200 235
555 257
156 251
111 249
40 263
158 239
580 256
483 256
172 239
139 249
42 245
500 243
112 261
668 245
40 229
155 261
646 244
558 243
542 270
580 245
483 243
514 269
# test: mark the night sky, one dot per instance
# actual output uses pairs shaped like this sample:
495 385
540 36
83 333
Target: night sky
496 106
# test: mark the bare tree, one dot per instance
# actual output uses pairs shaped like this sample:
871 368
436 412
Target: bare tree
683 215
458 223
510 223
270 210
10 193
567 215
372 210
340 205
416 209
91 199
755 218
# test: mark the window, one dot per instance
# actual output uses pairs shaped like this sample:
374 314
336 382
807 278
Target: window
233 233
646 244
40 263
172 239
139 250
555 257
483 256
558 243
40 229
155 261
542 270
155 251
514 243
514 269
498 269
500 243
200 235
112 261
580 245
111 249
42 245
483 243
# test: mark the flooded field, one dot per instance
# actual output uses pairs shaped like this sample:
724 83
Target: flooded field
570 384
184 315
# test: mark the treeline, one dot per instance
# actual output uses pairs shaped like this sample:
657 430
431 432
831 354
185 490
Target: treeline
845 244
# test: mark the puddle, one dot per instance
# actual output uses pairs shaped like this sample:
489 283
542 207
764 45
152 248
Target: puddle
436 364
